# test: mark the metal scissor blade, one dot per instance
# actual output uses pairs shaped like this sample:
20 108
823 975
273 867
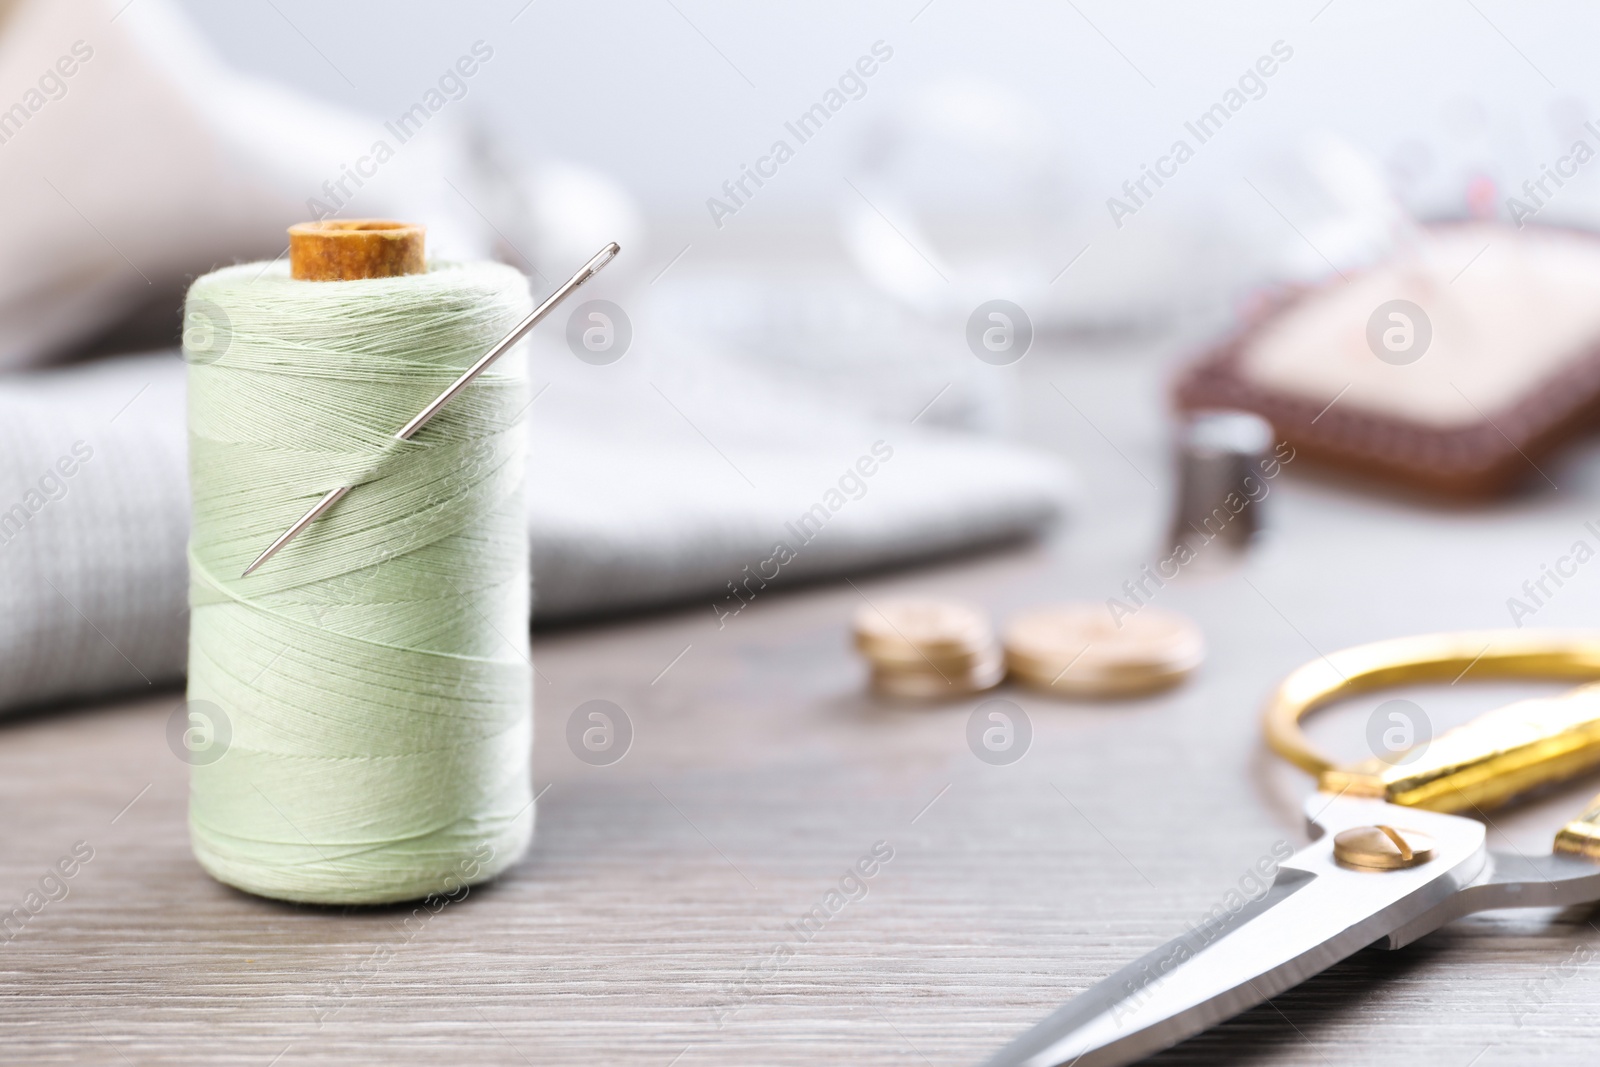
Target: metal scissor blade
1509 881
1087 1029
1315 914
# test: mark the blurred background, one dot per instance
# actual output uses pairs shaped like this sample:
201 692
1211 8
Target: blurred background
1454 105
671 99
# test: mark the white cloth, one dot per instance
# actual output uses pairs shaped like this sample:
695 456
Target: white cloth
93 574
665 478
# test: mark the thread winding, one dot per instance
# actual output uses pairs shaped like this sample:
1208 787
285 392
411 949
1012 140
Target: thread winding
373 674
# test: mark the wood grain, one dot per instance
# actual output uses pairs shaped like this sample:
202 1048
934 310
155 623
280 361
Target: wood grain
645 927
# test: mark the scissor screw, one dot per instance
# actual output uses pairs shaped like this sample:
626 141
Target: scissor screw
1381 848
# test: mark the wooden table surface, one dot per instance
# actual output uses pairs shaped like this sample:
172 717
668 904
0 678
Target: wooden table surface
650 925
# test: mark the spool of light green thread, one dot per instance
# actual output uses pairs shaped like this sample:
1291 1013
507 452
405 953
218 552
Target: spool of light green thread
373 675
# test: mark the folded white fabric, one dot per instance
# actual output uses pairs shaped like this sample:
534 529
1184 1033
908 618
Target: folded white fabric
675 474
94 520
666 478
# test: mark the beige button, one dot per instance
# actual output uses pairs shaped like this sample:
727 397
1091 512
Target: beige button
927 649
1080 649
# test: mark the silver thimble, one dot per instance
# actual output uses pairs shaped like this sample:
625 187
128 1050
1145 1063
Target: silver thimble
1221 456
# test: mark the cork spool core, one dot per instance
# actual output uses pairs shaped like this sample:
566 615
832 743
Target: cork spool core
341 250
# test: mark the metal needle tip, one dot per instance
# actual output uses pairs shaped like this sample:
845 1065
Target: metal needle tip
328 500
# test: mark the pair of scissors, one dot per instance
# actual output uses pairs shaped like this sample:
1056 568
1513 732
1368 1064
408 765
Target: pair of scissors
1395 853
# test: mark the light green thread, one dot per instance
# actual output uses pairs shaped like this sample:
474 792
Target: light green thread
373 673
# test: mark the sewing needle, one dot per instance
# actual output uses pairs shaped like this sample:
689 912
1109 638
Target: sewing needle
587 271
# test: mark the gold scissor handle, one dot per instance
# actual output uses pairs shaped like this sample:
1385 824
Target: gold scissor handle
1495 757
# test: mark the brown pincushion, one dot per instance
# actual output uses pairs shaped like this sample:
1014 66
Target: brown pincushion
1498 449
